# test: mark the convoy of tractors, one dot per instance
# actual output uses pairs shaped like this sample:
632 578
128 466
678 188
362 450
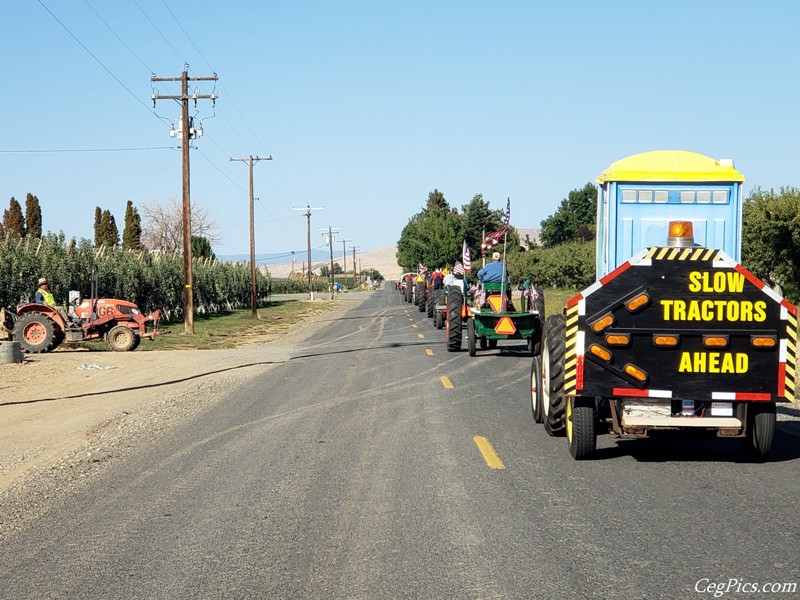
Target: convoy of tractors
673 335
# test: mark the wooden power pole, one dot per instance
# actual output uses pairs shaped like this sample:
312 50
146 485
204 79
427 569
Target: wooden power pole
253 299
308 210
344 259
187 132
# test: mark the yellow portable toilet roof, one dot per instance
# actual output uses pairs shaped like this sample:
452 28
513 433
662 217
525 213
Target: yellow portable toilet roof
670 165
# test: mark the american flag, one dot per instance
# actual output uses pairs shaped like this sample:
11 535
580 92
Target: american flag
491 240
422 269
466 256
458 268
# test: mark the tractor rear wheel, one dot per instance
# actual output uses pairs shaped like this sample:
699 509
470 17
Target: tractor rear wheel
581 432
419 297
439 320
453 332
430 303
122 338
760 430
36 333
553 399
536 390
471 340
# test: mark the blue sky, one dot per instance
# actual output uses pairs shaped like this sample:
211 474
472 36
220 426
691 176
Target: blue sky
366 107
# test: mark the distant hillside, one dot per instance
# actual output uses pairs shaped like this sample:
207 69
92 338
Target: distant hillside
382 259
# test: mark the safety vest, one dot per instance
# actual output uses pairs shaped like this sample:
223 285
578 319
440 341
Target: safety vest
48 297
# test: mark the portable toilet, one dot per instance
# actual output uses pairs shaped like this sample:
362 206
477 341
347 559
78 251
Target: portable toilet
639 195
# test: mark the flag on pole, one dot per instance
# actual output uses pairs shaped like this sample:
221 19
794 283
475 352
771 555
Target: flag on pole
491 240
466 256
458 268
422 270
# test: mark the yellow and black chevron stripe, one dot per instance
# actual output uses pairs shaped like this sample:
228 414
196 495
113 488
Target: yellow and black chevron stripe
665 253
570 353
790 378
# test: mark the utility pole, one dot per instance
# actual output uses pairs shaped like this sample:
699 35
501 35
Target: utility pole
344 259
292 261
355 285
253 300
187 131
308 210
330 244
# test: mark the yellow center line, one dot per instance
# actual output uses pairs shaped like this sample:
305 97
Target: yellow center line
428 351
421 336
446 382
488 452
415 326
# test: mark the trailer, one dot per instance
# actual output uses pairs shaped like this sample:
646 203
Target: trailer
675 334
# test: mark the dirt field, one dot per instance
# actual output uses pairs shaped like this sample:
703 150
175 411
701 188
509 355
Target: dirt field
71 406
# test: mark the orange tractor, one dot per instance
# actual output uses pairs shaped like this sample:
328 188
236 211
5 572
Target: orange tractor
39 328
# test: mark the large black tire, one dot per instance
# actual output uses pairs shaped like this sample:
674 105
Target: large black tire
535 341
453 330
553 399
580 425
36 333
430 303
760 430
536 390
471 340
419 295
439 320
409 291
122 339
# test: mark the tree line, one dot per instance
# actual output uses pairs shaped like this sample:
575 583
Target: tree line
566 256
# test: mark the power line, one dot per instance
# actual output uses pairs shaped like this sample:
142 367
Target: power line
146 16
136 56
98 61
54 150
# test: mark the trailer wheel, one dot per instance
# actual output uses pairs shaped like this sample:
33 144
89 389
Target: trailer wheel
553 400
35 333
580 423
760 430
471 345
453 333
122 339
536 390
431 303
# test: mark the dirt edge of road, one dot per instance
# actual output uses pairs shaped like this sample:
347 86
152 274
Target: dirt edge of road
68 416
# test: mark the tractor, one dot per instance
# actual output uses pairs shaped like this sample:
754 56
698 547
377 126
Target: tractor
40 328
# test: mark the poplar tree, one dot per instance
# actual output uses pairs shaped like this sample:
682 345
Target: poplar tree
33 216
13 220
132 233
98 222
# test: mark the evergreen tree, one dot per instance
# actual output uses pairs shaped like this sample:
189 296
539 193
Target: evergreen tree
132 234
98 225
2 232
110 228
201 248
33 216
13 220
478 221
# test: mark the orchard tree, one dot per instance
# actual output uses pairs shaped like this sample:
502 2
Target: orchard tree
13 220
771 238
33 216
574 220
132 233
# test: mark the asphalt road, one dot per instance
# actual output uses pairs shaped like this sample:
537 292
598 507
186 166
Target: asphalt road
352 471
